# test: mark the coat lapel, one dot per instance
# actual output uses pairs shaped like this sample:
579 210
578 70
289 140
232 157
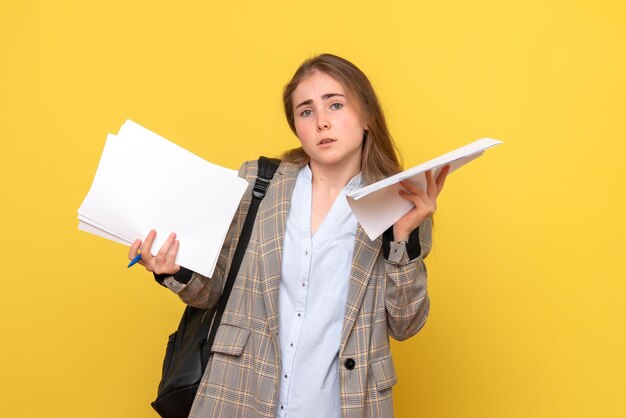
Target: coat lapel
363 260
272 221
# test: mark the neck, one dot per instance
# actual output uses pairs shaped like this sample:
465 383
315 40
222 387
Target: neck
333 178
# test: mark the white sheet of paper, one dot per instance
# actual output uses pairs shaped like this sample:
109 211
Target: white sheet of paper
89 227
145 182
99 229
379 205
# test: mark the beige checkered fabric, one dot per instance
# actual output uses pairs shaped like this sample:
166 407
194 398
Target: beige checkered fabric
385 298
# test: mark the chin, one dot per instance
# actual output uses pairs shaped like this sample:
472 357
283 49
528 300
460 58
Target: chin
332 158
327 160
332 162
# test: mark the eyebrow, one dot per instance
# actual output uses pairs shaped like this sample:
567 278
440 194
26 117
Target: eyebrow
324 97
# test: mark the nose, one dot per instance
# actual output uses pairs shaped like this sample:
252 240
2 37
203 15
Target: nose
322 123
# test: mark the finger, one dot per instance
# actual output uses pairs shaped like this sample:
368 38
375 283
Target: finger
431 185
173 250
147 245
134 249
441 178
415 217
171 255
415 191
418 199
165 248
410 187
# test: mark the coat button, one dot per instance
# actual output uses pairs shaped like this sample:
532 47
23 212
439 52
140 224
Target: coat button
349 363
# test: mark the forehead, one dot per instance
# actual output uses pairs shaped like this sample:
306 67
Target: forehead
314 85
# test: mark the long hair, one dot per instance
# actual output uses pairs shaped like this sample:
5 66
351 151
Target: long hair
379 157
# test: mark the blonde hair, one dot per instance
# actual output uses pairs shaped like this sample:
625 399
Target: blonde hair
379 157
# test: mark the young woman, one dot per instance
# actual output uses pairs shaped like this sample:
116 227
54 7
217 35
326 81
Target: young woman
306 329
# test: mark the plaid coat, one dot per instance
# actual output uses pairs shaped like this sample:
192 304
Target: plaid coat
385 298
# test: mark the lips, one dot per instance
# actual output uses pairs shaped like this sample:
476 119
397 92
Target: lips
326 141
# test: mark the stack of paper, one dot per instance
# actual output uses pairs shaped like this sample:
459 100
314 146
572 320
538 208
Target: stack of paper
145 182
379 205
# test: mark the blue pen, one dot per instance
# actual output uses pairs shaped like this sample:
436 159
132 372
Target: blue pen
134 260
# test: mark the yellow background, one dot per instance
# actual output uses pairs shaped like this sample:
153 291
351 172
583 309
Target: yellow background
527 276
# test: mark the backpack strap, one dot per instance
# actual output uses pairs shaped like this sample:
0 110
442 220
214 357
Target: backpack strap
266 169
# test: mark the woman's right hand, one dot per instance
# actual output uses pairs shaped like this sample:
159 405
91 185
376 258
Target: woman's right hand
165 260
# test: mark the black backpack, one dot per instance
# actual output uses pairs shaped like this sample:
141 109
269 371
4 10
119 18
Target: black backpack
188 349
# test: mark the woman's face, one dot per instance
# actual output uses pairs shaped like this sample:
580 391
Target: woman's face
328 122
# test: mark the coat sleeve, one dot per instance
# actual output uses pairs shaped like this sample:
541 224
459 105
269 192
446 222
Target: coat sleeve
204 292
406 295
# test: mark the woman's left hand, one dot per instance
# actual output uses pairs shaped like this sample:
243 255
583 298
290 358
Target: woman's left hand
425 204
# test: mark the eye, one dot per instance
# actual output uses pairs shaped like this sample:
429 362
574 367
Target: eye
306 112
336 106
